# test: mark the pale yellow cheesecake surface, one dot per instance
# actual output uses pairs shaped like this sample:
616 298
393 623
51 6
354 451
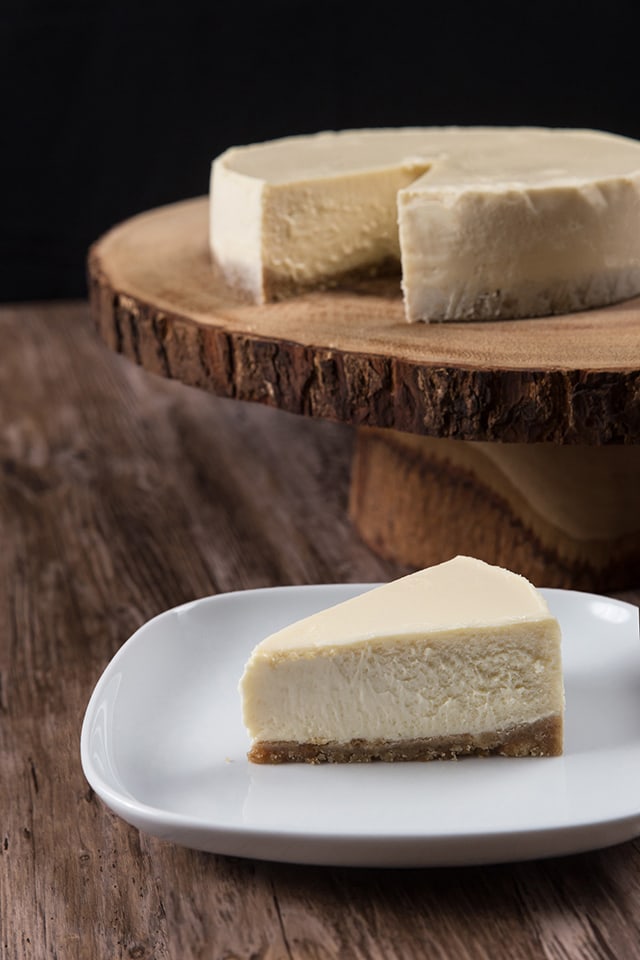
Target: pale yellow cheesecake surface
462 657
484 223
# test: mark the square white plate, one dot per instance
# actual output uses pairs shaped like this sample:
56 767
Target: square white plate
163 745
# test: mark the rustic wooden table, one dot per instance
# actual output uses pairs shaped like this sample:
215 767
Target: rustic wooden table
123 494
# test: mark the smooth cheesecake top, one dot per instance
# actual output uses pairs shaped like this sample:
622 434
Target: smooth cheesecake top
461 593
482 156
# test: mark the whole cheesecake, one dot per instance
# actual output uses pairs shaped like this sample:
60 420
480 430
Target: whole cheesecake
460 658
483 223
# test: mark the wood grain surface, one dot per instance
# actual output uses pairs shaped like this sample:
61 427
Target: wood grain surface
122 494
348 354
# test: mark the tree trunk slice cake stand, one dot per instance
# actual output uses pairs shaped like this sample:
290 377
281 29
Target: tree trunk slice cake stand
516 441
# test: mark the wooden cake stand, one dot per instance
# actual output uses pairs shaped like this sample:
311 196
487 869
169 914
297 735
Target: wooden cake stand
514 441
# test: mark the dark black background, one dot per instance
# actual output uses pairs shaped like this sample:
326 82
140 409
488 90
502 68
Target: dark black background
112 108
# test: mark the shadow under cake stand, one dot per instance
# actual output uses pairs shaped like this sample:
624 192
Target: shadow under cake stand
513 441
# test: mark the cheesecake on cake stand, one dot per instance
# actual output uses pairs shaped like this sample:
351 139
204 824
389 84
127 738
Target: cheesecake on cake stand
514 441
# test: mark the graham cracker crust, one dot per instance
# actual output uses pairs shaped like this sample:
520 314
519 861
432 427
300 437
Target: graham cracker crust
543 738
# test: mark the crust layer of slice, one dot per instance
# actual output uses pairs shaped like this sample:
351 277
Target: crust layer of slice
543 738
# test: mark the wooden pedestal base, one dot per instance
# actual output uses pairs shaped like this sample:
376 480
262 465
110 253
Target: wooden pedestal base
563 516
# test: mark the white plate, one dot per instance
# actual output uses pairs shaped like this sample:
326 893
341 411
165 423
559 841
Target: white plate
164 746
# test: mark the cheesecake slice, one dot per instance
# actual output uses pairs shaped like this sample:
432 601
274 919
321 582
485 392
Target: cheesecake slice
483 223
460 658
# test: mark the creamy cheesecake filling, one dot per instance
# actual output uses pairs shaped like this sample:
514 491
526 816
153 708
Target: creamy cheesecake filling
311 234
457 682
488 223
